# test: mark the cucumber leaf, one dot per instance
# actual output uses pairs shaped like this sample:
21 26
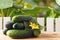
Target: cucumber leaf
6 4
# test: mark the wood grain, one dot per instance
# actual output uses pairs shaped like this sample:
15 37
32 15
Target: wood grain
42 36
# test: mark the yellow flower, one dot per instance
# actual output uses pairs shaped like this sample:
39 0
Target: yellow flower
18 1
25 5
33 26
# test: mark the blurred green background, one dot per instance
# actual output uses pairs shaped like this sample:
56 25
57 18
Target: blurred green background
34 8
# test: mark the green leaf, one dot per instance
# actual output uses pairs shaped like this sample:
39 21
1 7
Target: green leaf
35 12
6 4
52 13
37 1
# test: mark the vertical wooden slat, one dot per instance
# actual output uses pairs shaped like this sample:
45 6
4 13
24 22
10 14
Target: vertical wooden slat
57 24
40 20
50 24
0 23
6 19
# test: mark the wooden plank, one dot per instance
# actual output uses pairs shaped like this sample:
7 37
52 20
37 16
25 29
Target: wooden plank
57 24
42 36
50 24
0 23
6 19
40 20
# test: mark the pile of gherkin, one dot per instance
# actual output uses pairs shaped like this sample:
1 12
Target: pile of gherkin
22 26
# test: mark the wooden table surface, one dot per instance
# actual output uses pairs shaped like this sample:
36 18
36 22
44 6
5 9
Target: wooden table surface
42 36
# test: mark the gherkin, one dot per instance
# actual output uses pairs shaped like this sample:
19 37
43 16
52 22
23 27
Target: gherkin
22 29
20 18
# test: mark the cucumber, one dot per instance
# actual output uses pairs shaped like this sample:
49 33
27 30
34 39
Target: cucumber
19 34
21 18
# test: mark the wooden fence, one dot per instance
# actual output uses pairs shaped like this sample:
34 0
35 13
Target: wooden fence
6 19
50 25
